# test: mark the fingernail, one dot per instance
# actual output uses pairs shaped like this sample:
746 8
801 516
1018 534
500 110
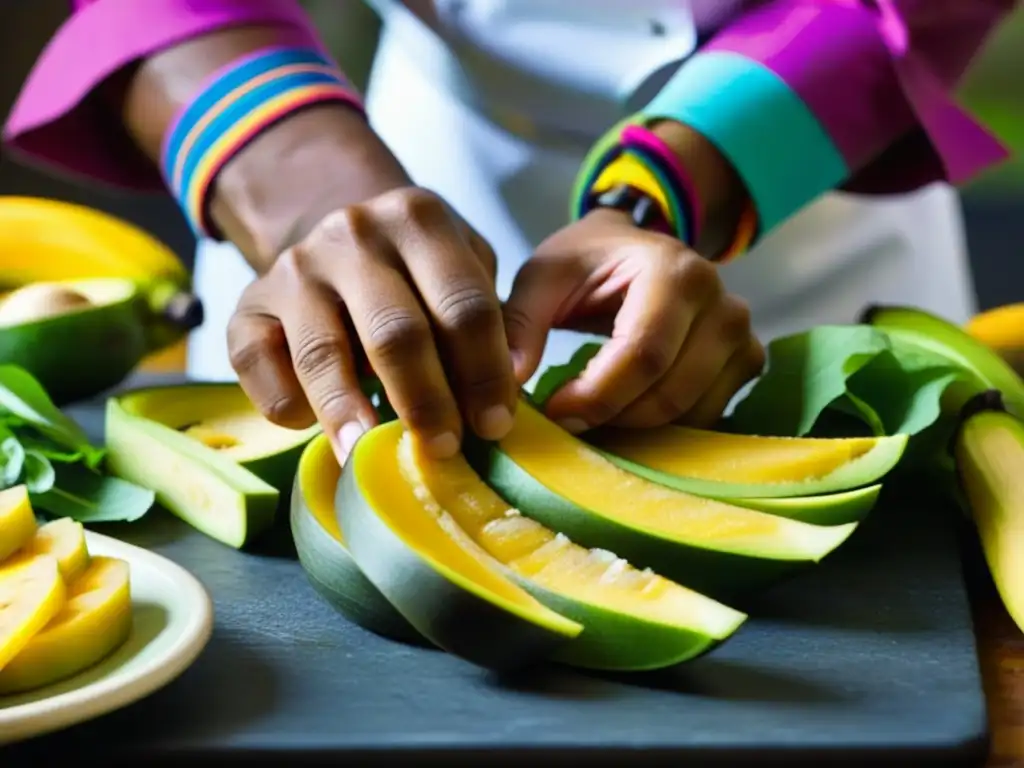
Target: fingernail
494 423
443 446
348 435
574 425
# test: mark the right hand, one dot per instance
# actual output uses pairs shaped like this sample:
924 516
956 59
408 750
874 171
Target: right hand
409 281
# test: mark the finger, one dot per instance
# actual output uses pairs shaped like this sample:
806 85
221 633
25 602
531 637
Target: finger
539 291
659 309
715 336
458 295
321 356
484 253
396 336
741 368
258 353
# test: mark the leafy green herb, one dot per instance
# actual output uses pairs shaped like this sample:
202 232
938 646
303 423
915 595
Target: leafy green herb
39 472
905 389
806 373
90 497
557 376
12 460
24 397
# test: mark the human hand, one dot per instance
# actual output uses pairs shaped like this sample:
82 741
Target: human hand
405 278
680 345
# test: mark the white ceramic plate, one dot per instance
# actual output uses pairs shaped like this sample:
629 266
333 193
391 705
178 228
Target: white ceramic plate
173 619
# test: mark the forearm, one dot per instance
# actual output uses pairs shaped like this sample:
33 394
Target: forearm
802 97
279 185
795 98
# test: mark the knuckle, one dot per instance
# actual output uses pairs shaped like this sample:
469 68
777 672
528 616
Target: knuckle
735 324
315 353
427 408
336 406
487 384
249 347
287 410
651 356
467 307
600 410
694 278
345 227
395 332
413 205
516 319
757 358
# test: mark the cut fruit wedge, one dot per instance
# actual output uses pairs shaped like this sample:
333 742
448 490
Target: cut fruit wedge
17 520
32 592
716 548
726 466
220 416
322 553
95 621
417 557
633 620
828 509
193 481
63 539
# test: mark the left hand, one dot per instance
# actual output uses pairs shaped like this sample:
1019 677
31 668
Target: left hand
680 346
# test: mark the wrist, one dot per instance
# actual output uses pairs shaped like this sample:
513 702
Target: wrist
722 193
277 188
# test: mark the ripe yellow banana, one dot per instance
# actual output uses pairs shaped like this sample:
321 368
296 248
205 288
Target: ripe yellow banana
989 453
47 240
44 240
1002 330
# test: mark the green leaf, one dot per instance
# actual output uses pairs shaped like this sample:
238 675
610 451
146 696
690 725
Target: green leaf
31 440
854 406
12 459
905 387
24 397
39 472
90 497
556 376
806 373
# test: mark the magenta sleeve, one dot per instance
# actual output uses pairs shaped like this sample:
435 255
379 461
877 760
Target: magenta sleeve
878 77
58 121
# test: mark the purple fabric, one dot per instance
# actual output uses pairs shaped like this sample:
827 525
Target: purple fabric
876 73
57 121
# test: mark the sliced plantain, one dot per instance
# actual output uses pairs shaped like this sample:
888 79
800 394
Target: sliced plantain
322 552
632 619
719 549
17 520
64 540
727 466
94 622
421 561
32 592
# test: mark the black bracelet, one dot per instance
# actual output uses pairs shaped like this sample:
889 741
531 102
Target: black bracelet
641 207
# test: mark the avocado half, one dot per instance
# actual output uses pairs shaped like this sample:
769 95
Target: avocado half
83 351
716 548
721 465
211 458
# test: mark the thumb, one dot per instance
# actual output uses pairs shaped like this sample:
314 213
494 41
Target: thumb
537 298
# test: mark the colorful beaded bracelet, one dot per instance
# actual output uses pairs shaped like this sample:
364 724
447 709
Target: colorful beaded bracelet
234 106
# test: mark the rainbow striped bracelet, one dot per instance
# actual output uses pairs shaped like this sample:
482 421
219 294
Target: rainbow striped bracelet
235 105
